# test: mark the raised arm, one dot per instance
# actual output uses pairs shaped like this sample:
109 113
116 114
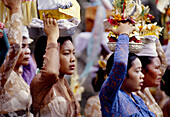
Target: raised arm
15 40
117 74
51 58
161 56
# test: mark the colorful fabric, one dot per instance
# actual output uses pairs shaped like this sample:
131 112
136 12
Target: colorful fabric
150 102
4 47
92 108
114 101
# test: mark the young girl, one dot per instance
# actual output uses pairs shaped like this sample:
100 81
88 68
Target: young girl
50 91
125 77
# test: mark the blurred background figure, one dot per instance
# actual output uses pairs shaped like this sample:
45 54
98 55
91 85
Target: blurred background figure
92 108
4 44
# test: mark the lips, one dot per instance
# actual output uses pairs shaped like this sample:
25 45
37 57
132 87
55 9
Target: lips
141 84
159 79
27 59
72 67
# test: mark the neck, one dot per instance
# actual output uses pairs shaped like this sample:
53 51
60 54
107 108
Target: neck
142 88
125 90
16 68
61 79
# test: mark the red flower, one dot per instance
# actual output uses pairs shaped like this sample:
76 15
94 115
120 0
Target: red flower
151 17
2 25
135 40
112 21
112 39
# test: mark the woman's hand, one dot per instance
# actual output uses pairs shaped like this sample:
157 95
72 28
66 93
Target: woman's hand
13 5
51 29
124 28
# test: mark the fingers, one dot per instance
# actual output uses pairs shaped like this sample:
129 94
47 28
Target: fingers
55 22
4 1
49 21
124 27
44 19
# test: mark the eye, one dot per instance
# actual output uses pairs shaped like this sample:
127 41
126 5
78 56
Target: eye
74 53
66 53
139 70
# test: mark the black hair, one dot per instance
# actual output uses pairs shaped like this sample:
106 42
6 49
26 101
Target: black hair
99 79
40 47
145 60
110 62
61 40
40 50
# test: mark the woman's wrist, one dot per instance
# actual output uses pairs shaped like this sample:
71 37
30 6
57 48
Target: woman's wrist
16 10
124 34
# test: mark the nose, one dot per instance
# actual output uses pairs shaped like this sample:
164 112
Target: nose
142 75
72 59
27 51
159 72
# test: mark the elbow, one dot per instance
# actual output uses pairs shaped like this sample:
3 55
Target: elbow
121 63
53 73
50 73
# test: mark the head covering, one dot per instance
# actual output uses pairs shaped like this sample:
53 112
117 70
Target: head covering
25 34
149 48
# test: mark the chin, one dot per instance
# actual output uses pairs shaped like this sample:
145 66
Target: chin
157 84
70 73
25 63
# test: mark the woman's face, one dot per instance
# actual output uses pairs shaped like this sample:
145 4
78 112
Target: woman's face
152 74
24 56
134 81
67 58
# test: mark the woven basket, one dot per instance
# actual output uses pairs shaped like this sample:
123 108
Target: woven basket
133 47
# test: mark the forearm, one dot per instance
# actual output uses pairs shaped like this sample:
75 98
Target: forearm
15 40
161 56
51 63
118 72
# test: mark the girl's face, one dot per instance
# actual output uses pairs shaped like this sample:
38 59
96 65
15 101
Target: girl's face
67 58
152 74
24 56
134 81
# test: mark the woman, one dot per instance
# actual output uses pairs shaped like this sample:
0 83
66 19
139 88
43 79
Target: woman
153 71
15 98
116 93
51 94
92 108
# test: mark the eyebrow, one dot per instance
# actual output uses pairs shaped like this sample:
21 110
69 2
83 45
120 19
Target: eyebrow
68 50
139 67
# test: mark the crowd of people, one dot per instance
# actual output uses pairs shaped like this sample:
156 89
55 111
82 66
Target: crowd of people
122 83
